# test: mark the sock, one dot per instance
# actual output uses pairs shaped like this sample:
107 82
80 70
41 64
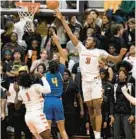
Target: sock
97 135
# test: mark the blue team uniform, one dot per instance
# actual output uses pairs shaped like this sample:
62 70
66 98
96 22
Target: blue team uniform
53 107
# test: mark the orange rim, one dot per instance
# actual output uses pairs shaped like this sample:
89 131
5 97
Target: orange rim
32 7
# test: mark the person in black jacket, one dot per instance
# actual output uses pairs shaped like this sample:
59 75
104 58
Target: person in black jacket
117 38
70 92
106 103
122 112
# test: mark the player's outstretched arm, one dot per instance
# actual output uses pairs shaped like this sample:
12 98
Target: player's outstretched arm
118 58
128 96
66 27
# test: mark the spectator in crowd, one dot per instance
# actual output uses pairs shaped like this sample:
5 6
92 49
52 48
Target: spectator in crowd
41 69
105 31
7 57
43 59
31 34
5 36
53 107
129 34
106 103
12 45
103 63
3 104
60 32
117 39
90 23
111 51
95 15
31 95
33 53
70 91
75 25
131 58
90 33
16 117
47 42
73 52
122 112
87 66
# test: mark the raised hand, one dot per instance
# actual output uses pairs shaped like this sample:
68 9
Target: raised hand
123 51
55 38
58 14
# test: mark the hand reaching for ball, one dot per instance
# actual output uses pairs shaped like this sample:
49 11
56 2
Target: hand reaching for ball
55 38
58 14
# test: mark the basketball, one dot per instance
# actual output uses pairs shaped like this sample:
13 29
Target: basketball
52 4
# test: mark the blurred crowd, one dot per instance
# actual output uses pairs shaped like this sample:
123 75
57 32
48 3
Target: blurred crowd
23 45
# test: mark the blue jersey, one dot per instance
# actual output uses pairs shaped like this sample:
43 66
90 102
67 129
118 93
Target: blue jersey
56 83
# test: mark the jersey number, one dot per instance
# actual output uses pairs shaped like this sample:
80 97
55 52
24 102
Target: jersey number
88 59
54 81
28 97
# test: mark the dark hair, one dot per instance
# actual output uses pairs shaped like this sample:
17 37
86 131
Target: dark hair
53 66
116 28
43 65
12 34
95 12
105 72
48 37
67 71
25 80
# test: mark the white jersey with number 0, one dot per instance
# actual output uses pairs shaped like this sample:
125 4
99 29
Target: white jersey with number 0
89 61
32 97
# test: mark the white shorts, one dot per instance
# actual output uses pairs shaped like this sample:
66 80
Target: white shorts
92 89
36 122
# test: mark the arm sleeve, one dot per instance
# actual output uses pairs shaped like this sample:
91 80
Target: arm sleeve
45 89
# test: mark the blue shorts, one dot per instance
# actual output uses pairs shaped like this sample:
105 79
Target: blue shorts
53 108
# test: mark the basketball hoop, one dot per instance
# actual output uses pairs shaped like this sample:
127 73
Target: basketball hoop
28 11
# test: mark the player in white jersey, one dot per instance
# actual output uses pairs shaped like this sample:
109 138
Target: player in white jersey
31 95
91 83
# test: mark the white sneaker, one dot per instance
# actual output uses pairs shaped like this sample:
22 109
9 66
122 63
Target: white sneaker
97 135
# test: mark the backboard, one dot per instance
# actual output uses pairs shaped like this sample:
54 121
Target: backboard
8 6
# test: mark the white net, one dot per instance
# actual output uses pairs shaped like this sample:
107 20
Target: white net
27 13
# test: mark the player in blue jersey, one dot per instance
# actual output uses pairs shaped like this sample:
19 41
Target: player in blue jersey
53 106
